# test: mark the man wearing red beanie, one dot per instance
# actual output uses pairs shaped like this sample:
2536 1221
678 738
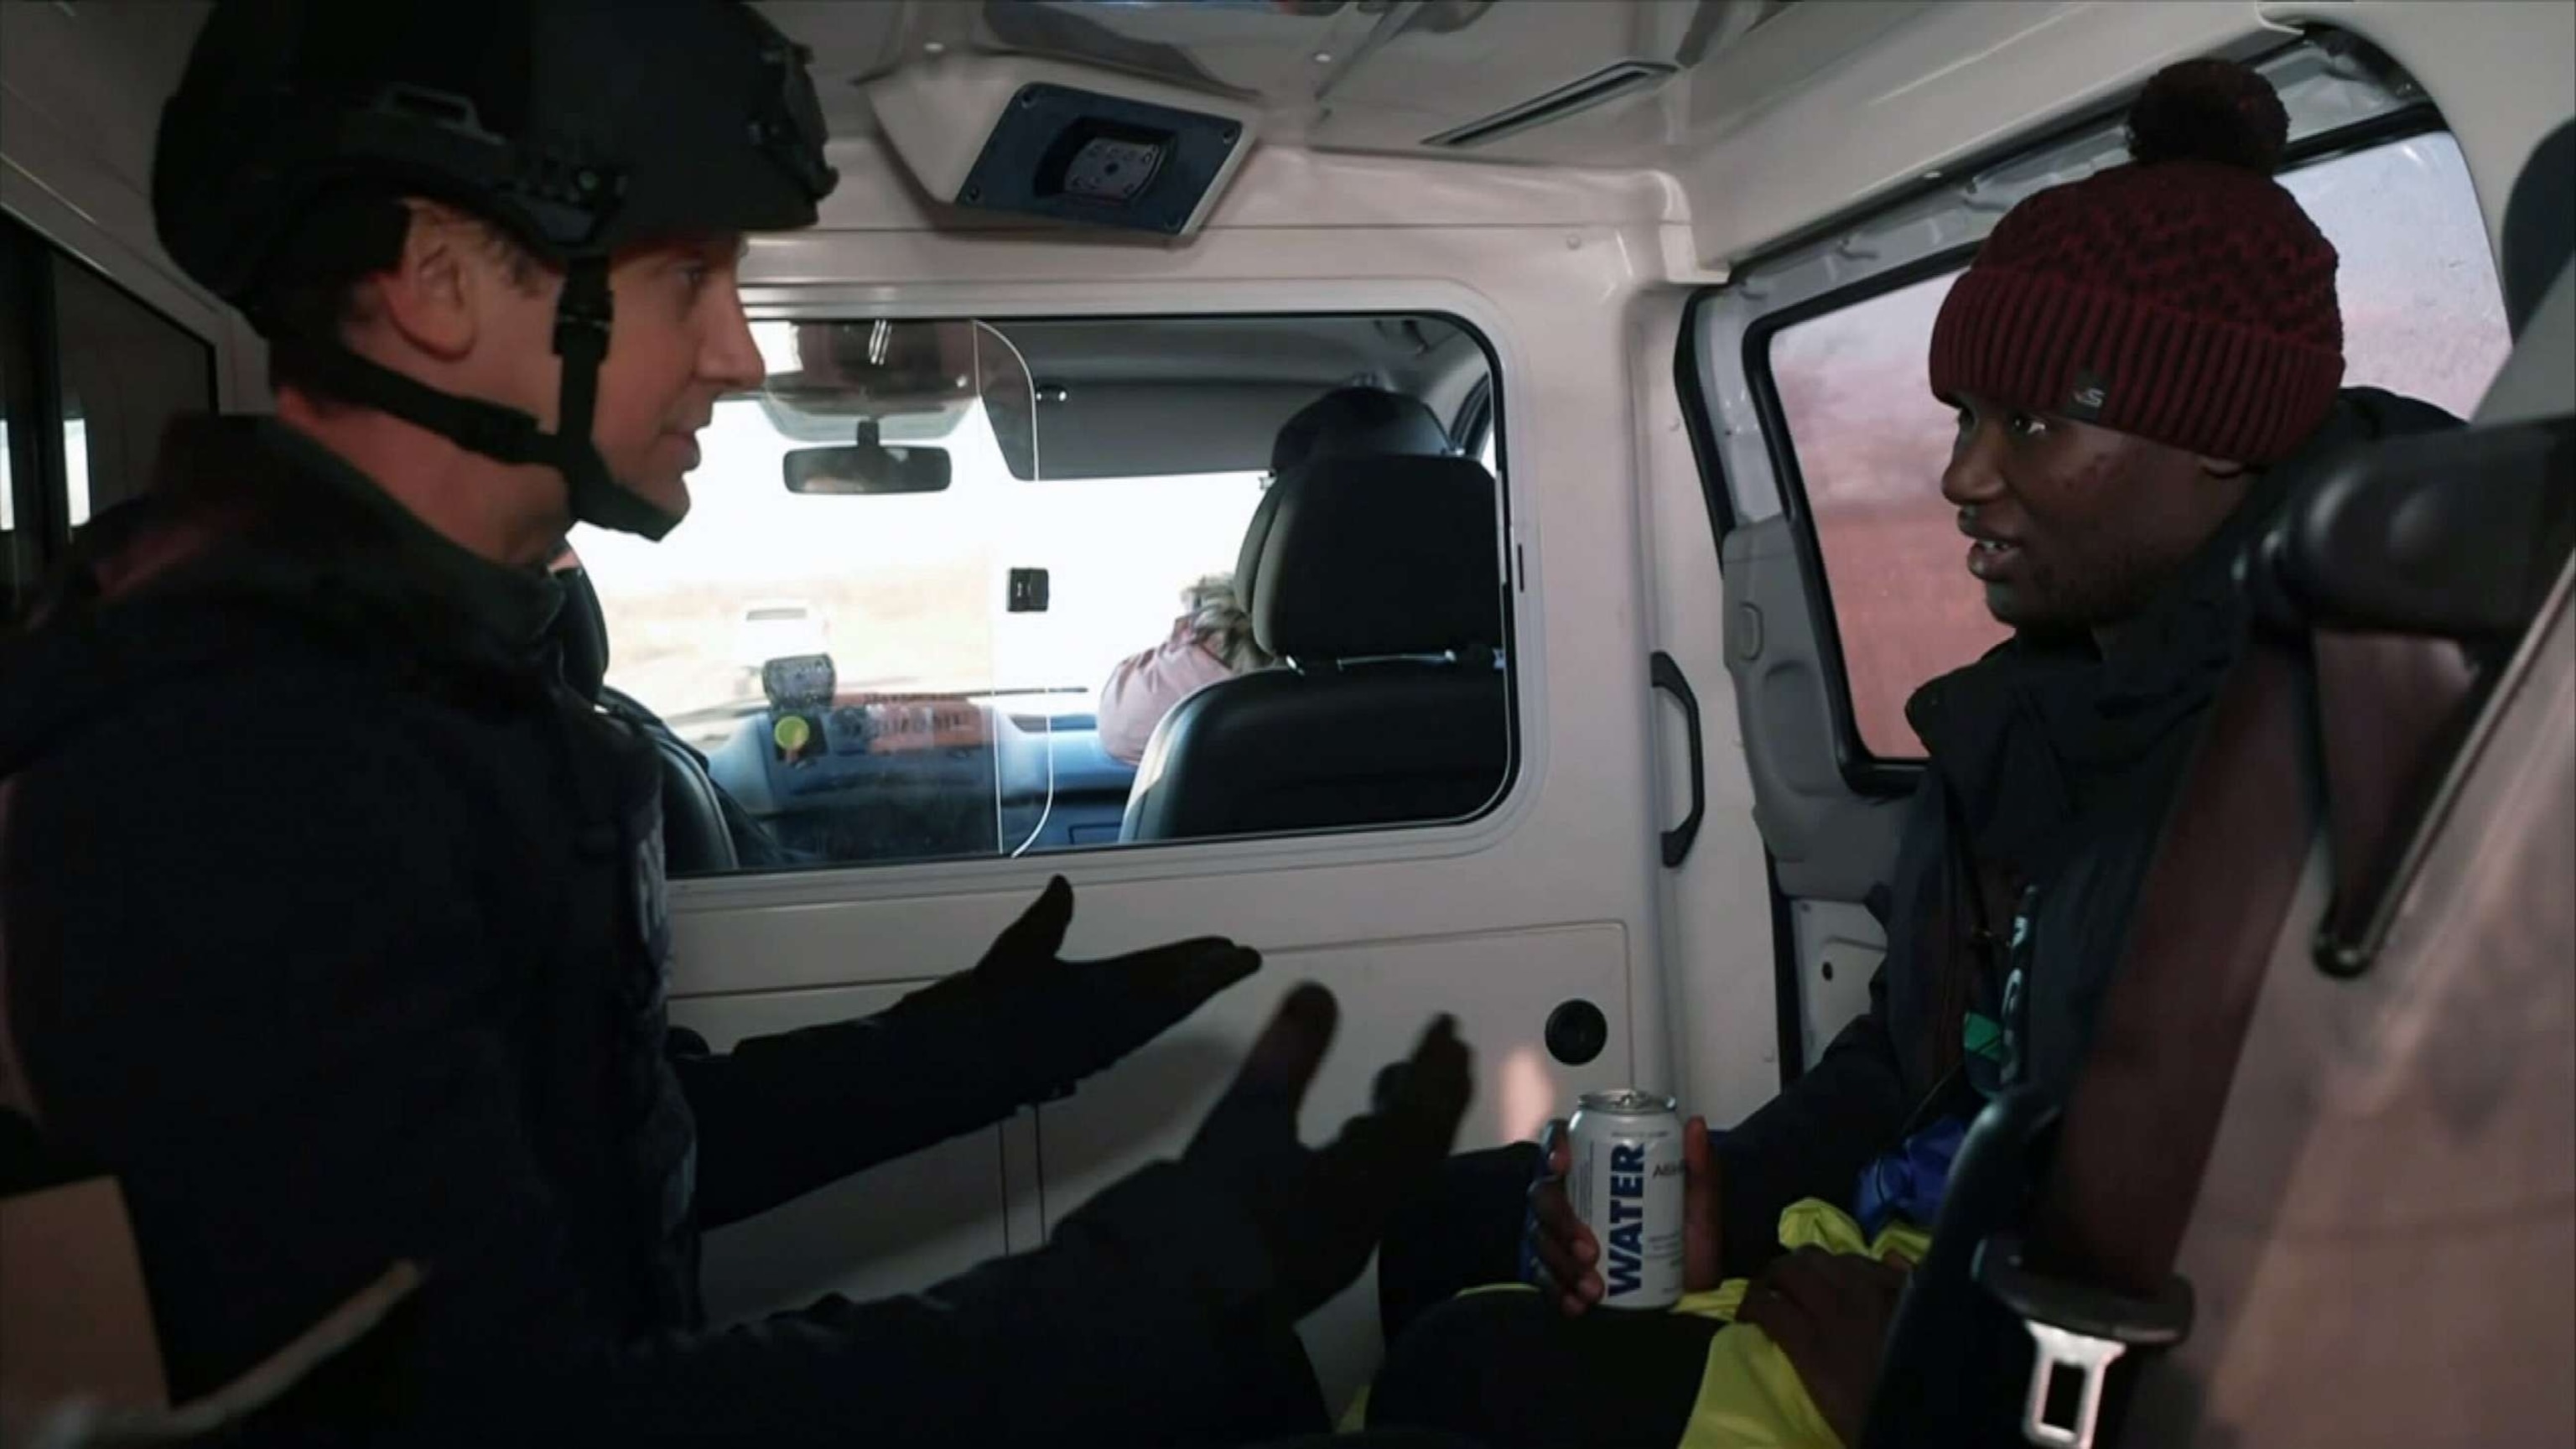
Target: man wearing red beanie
2129 351
2141 361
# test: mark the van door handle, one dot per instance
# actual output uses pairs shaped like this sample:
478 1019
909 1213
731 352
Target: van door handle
1667 676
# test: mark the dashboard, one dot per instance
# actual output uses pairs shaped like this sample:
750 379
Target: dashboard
847 778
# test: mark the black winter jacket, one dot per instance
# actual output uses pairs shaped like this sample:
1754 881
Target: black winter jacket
332 925
2050 769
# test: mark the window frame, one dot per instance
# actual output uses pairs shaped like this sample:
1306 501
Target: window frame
1475 423
811 304
40 530
31 329
1866 772
1863 770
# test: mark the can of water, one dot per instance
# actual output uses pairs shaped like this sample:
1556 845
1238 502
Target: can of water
1626 1185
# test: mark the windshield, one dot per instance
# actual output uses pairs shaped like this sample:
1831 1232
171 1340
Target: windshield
896 589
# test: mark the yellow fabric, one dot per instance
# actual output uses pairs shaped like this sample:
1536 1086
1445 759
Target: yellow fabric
1355 1418
1749 1396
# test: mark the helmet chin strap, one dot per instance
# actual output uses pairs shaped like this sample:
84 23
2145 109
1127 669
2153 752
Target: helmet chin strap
582 316
506 434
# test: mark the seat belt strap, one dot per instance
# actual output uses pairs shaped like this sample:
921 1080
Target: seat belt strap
2096 1278
2146 1103
2399 699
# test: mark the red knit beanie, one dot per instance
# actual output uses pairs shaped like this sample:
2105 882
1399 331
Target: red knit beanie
2183 298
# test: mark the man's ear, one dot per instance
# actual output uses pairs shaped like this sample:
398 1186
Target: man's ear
426 298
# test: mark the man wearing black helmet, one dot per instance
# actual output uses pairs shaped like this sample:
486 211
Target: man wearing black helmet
331 923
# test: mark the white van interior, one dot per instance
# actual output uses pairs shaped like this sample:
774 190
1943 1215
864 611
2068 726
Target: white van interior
1604 756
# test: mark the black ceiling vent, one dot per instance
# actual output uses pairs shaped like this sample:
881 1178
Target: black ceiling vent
1607 84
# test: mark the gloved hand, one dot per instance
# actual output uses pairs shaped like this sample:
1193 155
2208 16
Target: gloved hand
1052 1022
1321 1211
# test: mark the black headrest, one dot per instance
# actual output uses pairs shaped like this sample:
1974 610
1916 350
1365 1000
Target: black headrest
2539 224
1351 422
1256 541
1348 422
2457 534
581 633
1368 557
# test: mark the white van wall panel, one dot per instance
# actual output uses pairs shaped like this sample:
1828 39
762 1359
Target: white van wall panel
1840 946
1716 907
893 1229
1148 1108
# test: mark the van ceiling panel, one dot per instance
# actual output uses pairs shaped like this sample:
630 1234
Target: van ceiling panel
1360 75
1939 85
1613 82
1041 139
100 71
1320 352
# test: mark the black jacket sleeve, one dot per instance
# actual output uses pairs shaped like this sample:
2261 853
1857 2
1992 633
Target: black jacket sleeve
1815 1137
779 1116
266 997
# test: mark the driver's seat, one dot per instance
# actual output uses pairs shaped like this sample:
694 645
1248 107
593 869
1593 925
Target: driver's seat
1379 585
696 837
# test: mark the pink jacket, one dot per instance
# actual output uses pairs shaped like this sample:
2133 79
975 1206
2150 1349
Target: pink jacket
1144 687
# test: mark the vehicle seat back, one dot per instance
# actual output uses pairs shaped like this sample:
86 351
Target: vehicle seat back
1379 583
695 838
2411 1124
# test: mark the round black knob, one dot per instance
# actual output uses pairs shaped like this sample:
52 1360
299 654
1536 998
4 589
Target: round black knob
1576 1032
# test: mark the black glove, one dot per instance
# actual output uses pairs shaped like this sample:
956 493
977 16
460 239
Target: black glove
1321 1212
1052 1022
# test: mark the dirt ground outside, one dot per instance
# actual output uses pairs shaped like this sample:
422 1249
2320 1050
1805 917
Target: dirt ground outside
894 630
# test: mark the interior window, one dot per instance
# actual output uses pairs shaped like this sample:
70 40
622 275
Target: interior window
21 550
90 378
915 558
2423 316
8 478
75 463
126 372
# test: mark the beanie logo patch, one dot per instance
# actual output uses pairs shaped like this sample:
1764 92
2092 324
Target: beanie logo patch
2085 402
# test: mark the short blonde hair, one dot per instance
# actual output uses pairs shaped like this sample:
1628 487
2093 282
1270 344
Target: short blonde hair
1217 620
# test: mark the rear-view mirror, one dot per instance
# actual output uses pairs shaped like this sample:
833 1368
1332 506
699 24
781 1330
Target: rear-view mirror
905 383
868 466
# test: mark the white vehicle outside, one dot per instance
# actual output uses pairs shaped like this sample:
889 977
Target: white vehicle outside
779 629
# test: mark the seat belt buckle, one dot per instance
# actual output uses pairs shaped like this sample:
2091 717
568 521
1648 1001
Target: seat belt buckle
2076 1328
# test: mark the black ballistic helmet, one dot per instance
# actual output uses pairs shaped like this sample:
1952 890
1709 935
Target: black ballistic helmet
578 127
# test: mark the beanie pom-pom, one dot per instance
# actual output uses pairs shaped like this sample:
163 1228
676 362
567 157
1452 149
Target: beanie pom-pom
2209 110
